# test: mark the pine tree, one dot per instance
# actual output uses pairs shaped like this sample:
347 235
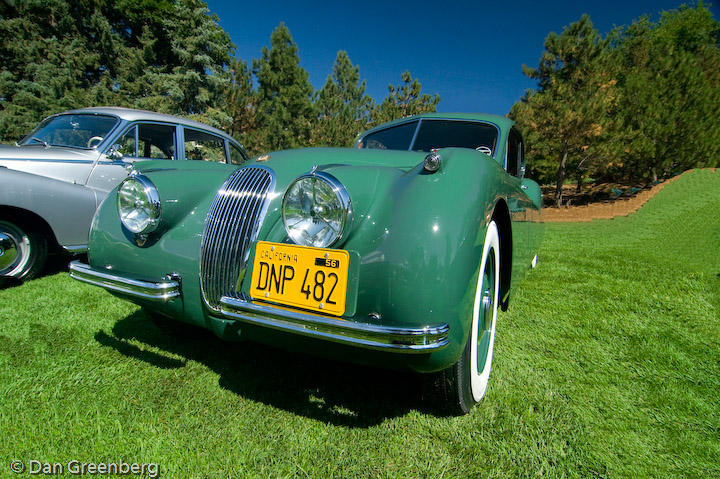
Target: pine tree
241 104
343 107
404 100
566 113
670 94
168 56
284 109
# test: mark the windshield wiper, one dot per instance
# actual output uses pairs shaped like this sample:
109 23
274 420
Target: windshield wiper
44 143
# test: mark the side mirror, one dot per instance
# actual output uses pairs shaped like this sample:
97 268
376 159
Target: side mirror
522 170
114 153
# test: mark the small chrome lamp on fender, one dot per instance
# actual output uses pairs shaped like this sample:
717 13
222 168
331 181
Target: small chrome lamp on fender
432 163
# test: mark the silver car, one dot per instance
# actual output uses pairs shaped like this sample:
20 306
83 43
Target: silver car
52 181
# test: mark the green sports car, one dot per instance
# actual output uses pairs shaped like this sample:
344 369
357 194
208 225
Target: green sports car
398 252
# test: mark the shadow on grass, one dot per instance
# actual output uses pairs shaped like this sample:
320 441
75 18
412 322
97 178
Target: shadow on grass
56 263
330 391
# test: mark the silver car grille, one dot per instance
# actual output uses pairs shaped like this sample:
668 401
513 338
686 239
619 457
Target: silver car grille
232 224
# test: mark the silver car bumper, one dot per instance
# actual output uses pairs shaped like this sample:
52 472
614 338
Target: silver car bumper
161 291
372 336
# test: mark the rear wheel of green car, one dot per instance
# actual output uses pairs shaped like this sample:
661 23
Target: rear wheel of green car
23 250
463 384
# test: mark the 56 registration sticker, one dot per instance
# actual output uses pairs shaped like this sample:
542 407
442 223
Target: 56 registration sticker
301 276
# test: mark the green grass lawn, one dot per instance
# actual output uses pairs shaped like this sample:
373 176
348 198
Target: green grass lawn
607 364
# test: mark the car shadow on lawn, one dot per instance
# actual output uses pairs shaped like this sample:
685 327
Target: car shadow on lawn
56 263
339 393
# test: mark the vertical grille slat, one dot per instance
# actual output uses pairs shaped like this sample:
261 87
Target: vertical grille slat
231 225
243 203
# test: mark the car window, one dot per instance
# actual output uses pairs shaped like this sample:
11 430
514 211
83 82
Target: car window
156 141
126 144
75 131
236 155
514 153
203 146
394 138
453 133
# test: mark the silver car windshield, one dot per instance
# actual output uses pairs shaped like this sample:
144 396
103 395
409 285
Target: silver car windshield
72 130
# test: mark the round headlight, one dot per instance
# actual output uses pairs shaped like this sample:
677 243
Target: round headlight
316 210
138 204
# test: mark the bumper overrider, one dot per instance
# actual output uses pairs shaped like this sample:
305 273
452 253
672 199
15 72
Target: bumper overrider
365 335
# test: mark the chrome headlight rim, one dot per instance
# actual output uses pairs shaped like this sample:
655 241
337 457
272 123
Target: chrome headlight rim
341 193
151 195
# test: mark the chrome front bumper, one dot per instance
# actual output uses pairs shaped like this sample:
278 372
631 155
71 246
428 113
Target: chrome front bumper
365 335
372 336
161 291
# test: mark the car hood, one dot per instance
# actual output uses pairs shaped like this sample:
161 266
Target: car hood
40 153
302 160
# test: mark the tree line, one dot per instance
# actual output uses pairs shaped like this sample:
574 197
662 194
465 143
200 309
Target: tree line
172 56
635 106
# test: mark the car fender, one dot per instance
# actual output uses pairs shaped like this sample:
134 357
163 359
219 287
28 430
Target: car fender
66 207
419 236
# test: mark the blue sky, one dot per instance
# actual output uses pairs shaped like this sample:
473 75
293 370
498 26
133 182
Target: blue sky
469 52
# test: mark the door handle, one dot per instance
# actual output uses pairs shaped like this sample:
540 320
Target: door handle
524 187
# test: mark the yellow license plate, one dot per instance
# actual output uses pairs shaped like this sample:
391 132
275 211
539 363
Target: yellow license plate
301 276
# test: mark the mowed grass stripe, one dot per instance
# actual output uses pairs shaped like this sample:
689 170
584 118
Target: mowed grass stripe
607 365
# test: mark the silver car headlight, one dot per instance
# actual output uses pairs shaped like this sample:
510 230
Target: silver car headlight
316 210
138 204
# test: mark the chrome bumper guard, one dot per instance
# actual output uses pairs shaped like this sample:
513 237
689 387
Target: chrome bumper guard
386 338
162 291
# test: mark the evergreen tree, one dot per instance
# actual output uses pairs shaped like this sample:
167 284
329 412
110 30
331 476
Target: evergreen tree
241 104
162 55
668 75
566 113
635 107
284 109
343 107
404 100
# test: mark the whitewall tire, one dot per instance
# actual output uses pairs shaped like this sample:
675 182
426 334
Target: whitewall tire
464 384
486 313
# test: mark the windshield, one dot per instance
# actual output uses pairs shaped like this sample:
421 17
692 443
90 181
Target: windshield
434 134
75 131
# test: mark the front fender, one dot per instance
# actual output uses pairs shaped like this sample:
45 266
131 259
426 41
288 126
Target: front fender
420 238
68 208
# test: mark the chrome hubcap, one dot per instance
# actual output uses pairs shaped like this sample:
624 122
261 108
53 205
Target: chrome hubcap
8 251
487 308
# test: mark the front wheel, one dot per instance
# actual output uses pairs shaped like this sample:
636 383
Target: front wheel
23 250
463 384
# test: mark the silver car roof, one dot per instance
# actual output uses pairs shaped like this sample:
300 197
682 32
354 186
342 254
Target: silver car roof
131 114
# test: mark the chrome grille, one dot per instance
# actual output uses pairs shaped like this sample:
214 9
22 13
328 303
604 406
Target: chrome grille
231 225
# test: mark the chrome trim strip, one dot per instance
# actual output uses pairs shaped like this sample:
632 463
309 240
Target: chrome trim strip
161 291
415 134
50 160
365 335
76 249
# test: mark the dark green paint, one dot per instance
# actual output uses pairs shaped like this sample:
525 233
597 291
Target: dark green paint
417 238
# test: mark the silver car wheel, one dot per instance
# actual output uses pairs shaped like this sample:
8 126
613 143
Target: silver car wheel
15 250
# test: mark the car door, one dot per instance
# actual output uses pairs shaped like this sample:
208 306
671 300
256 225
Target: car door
519 204
137 142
